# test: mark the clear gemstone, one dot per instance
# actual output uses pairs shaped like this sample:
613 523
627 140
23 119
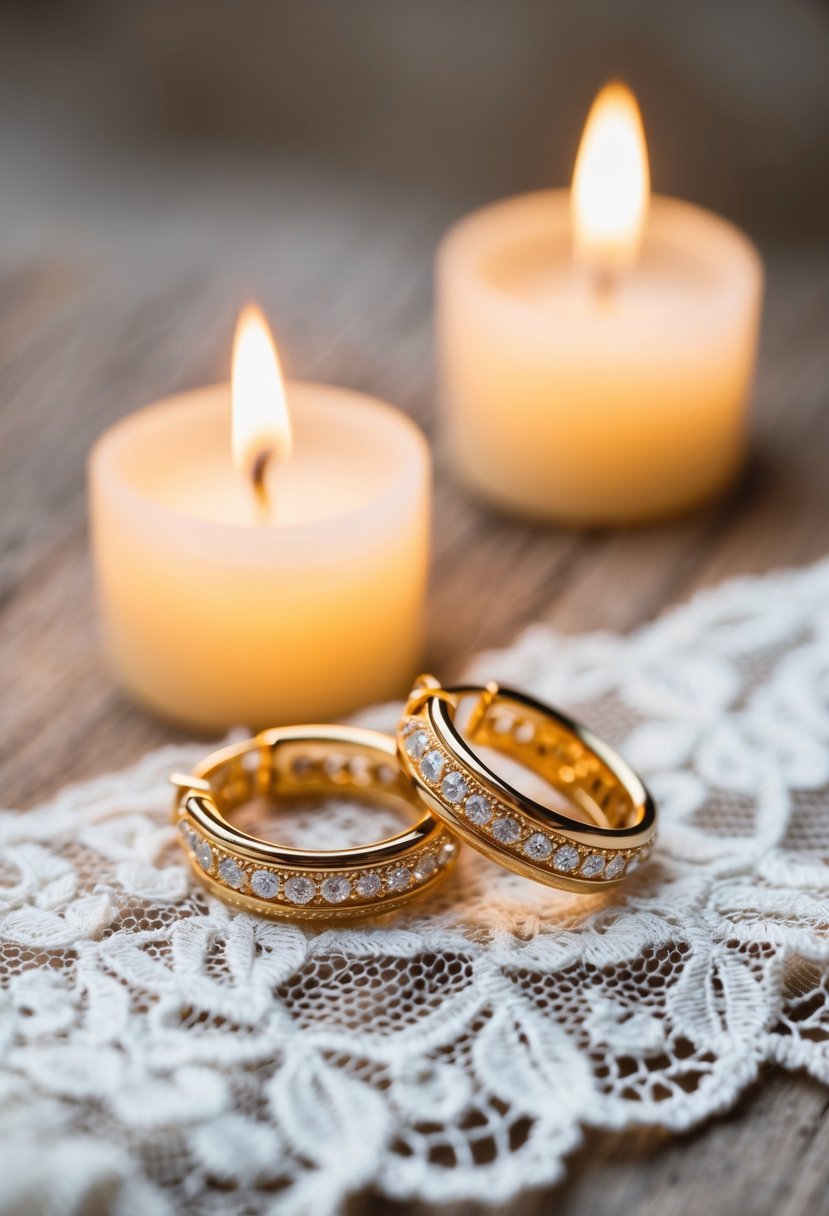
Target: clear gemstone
478 809
301 766
359 770
204 854
566 858
300 890
593 865
264 884
231 873
369 885
432 765
538 847
506 830
188 834
634 862
334 765
454 787
426 867
448 850
615 866
417 743
399 879
523 731
336 889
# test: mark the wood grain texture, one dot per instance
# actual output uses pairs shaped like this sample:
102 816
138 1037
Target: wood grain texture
98 328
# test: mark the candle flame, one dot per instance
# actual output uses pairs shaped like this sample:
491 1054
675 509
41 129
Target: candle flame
261 427
611 184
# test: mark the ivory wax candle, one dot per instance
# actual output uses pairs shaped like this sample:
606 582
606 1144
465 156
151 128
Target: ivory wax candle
285 587
597 346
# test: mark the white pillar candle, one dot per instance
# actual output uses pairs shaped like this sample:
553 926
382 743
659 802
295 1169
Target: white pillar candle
586 377
221 608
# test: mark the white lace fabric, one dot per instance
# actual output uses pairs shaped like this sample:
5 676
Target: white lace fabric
160 1053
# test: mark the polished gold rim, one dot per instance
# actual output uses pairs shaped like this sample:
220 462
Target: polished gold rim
506 825
290 763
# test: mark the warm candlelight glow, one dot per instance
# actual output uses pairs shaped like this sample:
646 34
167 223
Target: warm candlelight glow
611 184
261 424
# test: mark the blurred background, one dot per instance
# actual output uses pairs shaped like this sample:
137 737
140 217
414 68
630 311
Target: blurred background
182 103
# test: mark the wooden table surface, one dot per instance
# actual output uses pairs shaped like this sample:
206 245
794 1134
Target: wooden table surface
96 319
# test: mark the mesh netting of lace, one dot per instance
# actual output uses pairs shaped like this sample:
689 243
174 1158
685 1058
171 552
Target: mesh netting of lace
159 1053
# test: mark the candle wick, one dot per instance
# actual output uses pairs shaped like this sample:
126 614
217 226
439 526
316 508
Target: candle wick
260 489
604 285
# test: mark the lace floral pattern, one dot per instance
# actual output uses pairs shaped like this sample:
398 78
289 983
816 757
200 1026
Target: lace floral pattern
159 1052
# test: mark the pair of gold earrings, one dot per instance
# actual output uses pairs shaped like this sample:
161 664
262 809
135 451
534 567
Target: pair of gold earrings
432 769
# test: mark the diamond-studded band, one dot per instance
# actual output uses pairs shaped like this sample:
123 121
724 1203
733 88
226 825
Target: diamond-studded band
494 817
289 763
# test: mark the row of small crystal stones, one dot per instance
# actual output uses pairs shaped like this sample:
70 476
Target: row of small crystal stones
508 829
318 888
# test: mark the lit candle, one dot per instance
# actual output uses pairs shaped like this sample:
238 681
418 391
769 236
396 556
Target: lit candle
283 585
597 345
